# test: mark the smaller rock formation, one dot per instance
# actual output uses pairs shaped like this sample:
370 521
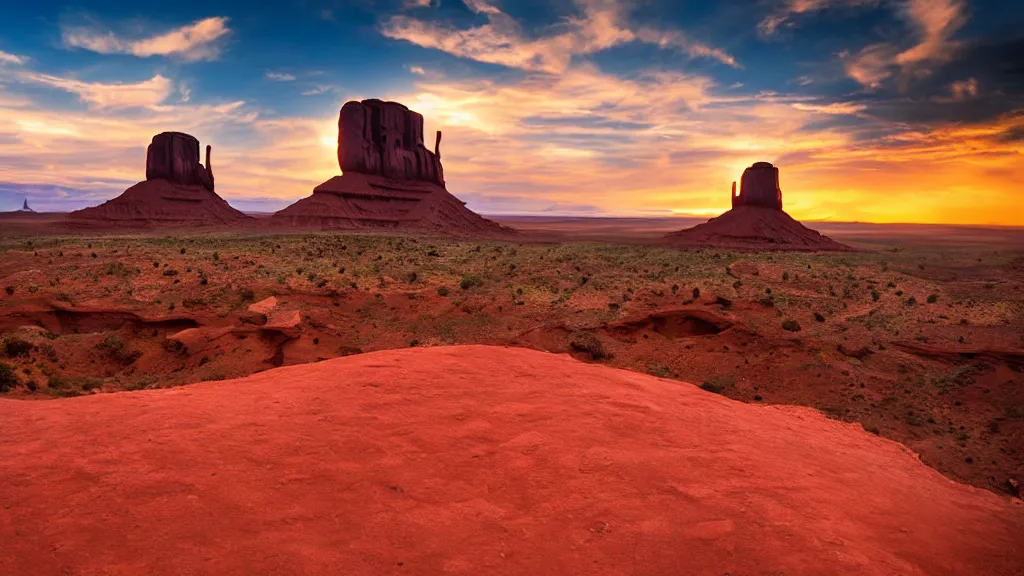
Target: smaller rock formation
174 157
25 208
389 180
756 220
759 186
178 190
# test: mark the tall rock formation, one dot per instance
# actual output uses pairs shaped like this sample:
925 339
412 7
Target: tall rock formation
756 220
174 157
386 139
389 180
25 208
759 186
178 190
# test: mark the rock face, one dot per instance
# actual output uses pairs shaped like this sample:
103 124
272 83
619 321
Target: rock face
759 186
389 180
178 190
475 460
174 157
386 139
25 208
756 220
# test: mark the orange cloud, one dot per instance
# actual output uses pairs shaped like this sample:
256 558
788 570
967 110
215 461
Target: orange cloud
502 41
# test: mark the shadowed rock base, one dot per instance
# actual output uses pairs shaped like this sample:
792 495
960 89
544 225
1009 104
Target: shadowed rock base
474 460
159 202
360 201
755 228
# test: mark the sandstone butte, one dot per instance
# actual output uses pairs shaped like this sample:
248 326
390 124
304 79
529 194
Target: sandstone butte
474 460
389 180
756 220
178 190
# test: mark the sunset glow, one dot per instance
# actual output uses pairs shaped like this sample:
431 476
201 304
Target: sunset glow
883 111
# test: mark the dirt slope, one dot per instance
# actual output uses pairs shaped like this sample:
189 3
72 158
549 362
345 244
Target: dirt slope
473 460
162 203
753 227
356 201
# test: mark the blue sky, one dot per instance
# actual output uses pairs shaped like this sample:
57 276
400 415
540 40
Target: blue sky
876 110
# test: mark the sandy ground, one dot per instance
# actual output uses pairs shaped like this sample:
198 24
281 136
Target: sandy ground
472 460
922 345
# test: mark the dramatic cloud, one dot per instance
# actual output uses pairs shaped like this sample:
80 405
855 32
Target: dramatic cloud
197 41
503 41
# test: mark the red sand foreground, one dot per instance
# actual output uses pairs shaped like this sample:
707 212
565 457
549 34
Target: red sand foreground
474 460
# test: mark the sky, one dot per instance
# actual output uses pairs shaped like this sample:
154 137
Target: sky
873 110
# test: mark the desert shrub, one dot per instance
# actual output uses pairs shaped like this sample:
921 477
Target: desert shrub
588 344
696 293
216 256
8 379
818 317
933 298
911 301
174 346
785 276
791 325
15 347
442 290
470 281
718 384
170 272
875 295
412 277
247 294
117 350
9 290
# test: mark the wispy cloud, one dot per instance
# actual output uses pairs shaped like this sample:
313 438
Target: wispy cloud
933 23
200 40
144 94
279 76
8 58
783 15
502 40
317 90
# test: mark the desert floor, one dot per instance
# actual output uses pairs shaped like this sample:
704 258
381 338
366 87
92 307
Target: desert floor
919 337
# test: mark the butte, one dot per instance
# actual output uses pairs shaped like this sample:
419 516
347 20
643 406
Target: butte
389 180
756 220
178 191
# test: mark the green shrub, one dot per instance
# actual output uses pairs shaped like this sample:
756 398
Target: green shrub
718 384
933 298
470 281
8 379
588 344
442 291
15 347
